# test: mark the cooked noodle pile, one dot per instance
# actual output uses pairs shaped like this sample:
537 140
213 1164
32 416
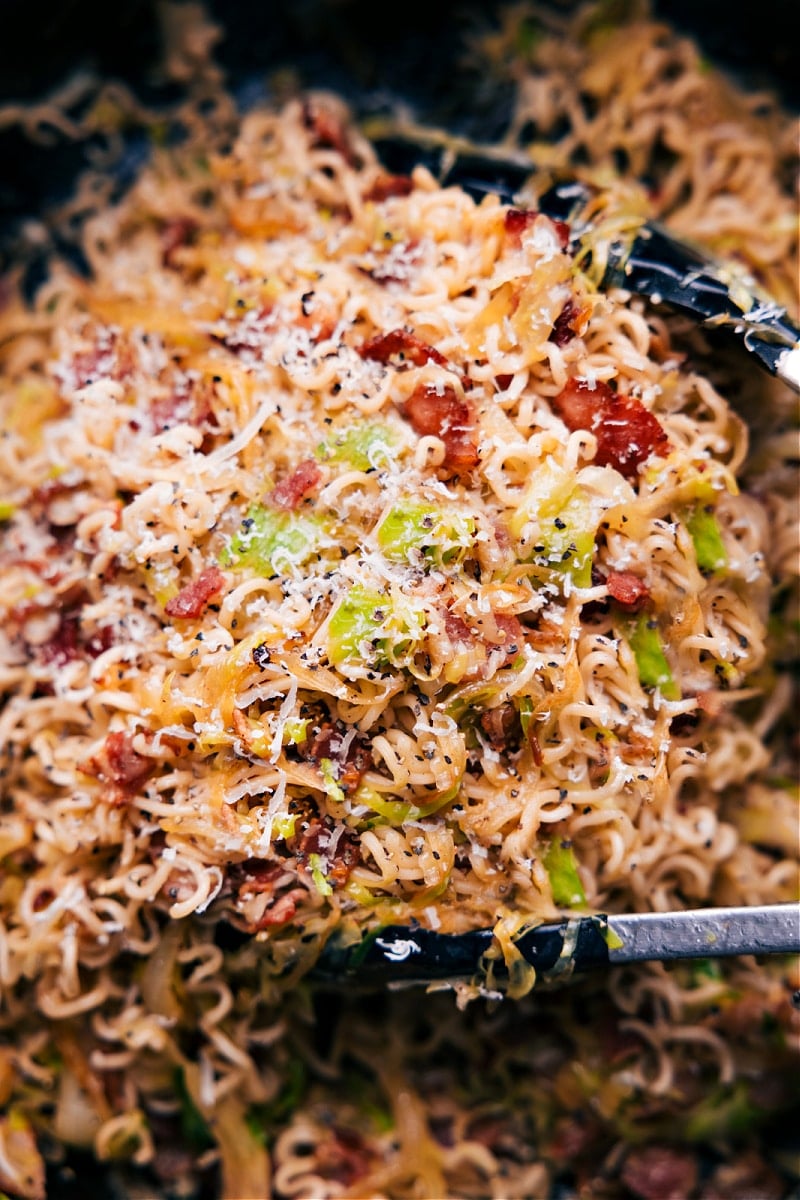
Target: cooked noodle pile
362 563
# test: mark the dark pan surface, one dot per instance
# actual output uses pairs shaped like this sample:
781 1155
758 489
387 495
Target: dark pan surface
363 49
359 48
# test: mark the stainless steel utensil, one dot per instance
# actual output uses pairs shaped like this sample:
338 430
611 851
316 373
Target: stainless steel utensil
400 955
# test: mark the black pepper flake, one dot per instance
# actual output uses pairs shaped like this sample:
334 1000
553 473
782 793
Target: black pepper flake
261 656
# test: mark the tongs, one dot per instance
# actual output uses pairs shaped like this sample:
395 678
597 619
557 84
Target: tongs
646 259
405 956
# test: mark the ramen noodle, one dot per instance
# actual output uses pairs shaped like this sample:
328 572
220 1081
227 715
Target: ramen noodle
363 563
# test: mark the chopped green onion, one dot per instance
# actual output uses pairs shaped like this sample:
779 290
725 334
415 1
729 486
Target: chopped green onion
567 520
364 446
283 827
651 663
412 530
331 780
396 812
373 627
318 875
525 706
270 541
709 547
294 731
565 882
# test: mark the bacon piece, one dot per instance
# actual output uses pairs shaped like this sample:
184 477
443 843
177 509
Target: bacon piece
340 858
563 329
518 220
387 186
660 1173
255 876
400 342
290 492
345 1157
629 591
318 319
398 264
190 407
192 599
351 758
457 630
120 764
627 433
573 1136
280 911
502 727
514 635
111 357
100 641
174 234
62 648
328 130
447 416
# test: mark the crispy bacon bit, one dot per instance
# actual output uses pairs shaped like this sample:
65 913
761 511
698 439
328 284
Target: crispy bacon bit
192 599
340 856
513 634
502 727
397 264
563 329
447 416
191 406
100 641
660 1173
518 220
627 433
62 647
255 876
120 764
503 381
290 492
403 344
43 899
629 591
345 1157
457 630
386 186
111 357
281 911
328 130
350 756
563 231
573 1136
318 319
255 883
176 233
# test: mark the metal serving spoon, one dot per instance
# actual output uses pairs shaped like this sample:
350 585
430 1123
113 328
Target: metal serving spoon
405 956
648 260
